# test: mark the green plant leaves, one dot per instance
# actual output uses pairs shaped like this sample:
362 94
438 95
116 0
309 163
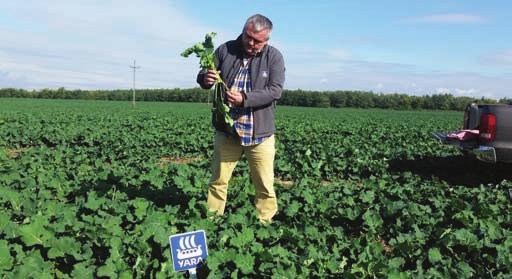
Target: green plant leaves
34 266
35 232
373 220
96 188
245 263
244 238
63 246
434 255
6 259
205 52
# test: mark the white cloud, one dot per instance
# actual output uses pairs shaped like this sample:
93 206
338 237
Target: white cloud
91 44
443 90
463 92
360 41
466 92
340 54
450 18
394 78
501 58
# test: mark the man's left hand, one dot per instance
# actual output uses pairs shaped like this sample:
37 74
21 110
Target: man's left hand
235 98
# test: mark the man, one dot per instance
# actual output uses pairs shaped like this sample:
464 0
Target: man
254 73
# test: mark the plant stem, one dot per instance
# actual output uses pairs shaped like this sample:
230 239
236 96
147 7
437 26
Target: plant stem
219 79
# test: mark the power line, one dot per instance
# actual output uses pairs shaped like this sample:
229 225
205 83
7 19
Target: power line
134 67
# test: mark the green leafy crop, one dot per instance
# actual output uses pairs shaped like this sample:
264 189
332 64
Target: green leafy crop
205 52
94 189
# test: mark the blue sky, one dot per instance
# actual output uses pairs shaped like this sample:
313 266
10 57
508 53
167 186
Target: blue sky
414 47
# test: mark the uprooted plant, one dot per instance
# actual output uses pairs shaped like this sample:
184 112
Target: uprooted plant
205 52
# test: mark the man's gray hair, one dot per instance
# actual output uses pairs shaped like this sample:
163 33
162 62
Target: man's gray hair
259 23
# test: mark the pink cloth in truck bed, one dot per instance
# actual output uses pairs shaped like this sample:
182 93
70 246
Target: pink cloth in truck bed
463 135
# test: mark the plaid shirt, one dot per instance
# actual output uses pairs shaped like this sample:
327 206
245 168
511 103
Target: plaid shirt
243 117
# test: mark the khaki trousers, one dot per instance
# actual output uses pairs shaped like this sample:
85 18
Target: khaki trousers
227 152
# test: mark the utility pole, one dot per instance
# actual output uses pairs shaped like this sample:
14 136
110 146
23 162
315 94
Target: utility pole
134 67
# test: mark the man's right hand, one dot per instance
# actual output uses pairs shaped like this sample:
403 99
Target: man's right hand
210 78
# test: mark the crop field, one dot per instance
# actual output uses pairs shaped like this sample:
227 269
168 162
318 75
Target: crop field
94 189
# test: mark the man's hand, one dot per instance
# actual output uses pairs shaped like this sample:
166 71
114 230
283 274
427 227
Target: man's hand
235 98
210 78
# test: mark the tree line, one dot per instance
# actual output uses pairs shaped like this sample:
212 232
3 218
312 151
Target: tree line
298 97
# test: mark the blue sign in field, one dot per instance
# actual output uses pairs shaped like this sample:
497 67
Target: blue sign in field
188 250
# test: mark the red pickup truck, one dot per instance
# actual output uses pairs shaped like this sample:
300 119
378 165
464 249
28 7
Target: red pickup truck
486 134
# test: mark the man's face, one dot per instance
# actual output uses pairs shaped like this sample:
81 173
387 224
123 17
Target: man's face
253 41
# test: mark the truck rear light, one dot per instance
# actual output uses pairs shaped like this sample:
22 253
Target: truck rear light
488 127
465 122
